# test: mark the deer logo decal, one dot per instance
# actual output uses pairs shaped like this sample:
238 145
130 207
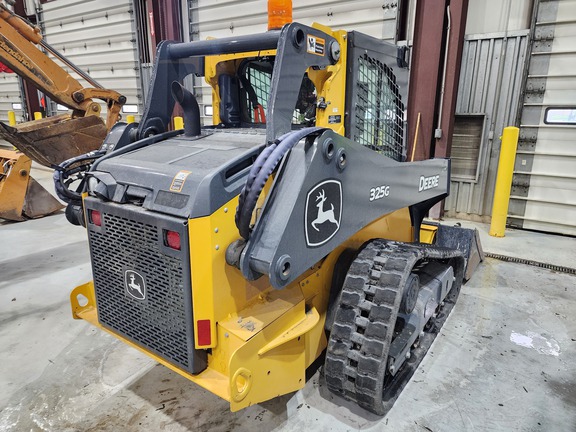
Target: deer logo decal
323 212
135 285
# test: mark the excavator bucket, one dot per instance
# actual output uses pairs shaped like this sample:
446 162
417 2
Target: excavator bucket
22 197
52 140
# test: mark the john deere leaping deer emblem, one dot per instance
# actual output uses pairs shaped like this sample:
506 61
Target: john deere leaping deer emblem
135 284
323 212
324 215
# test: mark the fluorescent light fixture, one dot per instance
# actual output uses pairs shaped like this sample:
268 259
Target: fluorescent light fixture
131 109
208 111
16 106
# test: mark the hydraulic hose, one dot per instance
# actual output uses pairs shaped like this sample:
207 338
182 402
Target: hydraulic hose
255 169
263 168
63 172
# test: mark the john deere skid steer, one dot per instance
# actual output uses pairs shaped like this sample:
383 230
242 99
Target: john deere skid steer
238 254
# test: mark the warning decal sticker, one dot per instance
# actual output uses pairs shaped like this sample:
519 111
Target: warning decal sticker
315 45
178 181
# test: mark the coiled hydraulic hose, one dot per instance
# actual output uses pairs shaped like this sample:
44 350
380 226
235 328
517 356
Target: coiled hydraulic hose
254 170
261 170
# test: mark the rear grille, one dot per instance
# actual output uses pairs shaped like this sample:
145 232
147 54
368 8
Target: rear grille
162 322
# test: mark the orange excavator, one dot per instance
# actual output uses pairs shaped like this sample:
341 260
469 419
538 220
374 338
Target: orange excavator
51 140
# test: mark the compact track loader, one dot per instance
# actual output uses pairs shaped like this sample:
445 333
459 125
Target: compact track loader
238 254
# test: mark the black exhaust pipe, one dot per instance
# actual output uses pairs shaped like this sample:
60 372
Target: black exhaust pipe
190 106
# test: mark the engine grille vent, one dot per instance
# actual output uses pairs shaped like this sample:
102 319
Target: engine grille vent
161 322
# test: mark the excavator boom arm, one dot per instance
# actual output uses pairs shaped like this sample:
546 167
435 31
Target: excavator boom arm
18 49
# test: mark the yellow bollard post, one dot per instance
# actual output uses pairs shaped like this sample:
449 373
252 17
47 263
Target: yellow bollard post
178 123
12 122
11 118
504 181
130 119
37 115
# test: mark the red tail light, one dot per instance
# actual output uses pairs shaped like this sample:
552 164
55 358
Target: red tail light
172 239
96 217
203 335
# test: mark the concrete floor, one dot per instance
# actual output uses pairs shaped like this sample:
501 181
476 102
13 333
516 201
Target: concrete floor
505 359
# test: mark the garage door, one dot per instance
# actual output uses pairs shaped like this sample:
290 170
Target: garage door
235 17
544 185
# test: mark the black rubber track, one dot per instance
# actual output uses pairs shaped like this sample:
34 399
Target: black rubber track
357 353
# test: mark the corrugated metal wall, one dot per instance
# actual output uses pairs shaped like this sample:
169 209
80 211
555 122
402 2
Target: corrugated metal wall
98 36
10 94
490 85
235 17
544 184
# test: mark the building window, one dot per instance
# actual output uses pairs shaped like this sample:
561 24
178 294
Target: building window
466 146
566 116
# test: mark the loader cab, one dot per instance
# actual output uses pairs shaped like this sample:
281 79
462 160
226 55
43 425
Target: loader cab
349 82
256 77
361 96
241 89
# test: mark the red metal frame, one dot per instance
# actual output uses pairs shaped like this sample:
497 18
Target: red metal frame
426 73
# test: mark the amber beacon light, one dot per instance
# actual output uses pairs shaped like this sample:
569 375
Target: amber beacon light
279 13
